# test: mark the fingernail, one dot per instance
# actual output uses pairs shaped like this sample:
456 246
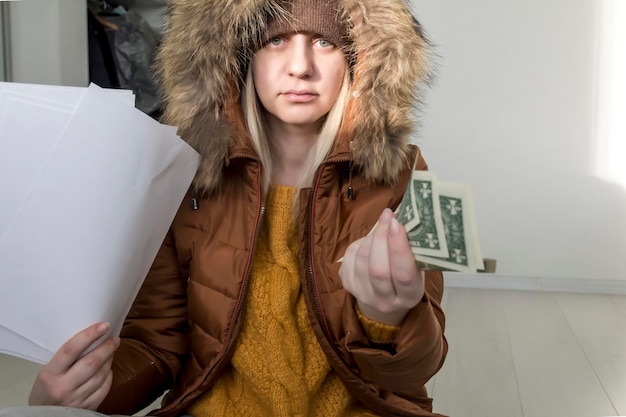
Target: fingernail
386 215
395 228
102 327
118 341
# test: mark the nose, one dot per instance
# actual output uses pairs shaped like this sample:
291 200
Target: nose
301 57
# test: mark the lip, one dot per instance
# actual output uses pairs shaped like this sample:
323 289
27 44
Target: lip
299 96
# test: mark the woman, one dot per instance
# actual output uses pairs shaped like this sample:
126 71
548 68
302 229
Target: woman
300 111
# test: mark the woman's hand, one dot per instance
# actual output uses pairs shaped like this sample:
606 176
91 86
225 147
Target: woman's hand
380 271
74 381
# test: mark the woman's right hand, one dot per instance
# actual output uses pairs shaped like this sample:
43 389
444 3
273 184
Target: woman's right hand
74 381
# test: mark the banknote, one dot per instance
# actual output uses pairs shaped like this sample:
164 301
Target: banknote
457 214
490 266
407 212
427 238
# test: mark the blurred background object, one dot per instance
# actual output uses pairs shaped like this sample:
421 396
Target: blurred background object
123 39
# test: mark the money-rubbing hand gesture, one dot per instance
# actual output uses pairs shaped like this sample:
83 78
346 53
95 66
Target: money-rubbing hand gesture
380 271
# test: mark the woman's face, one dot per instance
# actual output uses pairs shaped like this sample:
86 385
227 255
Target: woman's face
298 77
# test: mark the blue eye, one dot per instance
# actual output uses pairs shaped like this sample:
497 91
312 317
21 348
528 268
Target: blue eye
276 41
324 43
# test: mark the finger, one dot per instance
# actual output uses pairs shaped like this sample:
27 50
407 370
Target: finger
407 279
379 271
73 348
346 270
93 401
93 387
89 365
361 270
356 267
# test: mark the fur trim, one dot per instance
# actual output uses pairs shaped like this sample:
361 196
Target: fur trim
206 49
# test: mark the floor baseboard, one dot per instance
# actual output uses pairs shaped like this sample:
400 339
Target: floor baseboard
586 286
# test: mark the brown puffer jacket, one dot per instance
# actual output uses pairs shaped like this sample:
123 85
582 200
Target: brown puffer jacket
182 328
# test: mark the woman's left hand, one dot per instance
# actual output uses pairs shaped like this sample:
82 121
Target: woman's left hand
380 271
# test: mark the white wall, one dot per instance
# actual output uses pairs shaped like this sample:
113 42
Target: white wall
49 42
514 113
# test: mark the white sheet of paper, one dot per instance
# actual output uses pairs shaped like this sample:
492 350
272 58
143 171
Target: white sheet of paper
91 224
61 94
24 147
40 113
16 345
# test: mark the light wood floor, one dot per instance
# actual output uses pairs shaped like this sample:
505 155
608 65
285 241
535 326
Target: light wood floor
512 354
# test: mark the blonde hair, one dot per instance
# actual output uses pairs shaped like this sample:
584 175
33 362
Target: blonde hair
259 132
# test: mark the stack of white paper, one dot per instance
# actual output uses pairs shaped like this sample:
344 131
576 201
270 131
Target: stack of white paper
88 188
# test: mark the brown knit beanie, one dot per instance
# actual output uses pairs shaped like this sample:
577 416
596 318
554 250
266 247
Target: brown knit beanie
322 17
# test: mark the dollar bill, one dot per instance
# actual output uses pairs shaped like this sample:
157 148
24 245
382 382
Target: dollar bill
457 214
407 212
490 266
427 238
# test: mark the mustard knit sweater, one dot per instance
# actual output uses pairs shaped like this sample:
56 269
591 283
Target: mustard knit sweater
278 368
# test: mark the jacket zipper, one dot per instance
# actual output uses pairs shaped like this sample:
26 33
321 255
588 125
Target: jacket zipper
312 282
240 299
310 269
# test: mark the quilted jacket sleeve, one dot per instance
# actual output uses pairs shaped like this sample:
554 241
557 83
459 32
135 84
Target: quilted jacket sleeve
405 364
154 337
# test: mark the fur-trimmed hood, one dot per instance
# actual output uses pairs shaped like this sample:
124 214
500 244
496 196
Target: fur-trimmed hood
205 50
